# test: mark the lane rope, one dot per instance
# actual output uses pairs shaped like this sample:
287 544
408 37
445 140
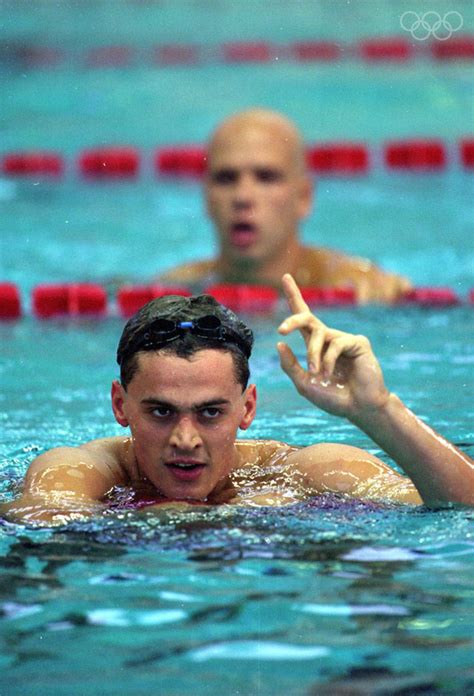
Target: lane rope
343 158
52 300
398 49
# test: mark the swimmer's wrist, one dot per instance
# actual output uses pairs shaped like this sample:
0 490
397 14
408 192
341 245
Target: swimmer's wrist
389 407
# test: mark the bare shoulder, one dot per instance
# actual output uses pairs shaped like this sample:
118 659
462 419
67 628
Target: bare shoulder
344 469
90 469
271 466
189 272
70 482
261 452
321 266
329 260
330 452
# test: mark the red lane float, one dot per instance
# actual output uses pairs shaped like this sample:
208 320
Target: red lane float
181 161
245 298
328 297
10 302
458 47
110 162
109 57
392 48
338 158
431 297
247 52
33 164
82 299
70 299
386 48
415 154
342 158
309 51
130 299
466 148
39 56
176 54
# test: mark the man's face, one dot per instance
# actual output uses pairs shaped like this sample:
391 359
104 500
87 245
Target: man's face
256 191
184 415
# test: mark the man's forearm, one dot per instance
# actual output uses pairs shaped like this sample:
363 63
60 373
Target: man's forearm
438 469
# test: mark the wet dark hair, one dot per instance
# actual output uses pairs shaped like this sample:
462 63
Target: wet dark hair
183 326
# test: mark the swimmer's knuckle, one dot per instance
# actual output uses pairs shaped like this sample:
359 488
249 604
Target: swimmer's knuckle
363 340
340 339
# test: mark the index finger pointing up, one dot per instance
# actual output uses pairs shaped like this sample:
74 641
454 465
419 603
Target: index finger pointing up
293 295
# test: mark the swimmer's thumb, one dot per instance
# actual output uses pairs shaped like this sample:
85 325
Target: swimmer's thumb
289 364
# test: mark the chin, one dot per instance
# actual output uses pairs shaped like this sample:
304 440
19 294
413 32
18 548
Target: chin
197 495
249 254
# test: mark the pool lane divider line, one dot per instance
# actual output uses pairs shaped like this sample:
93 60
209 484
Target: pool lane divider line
49 300
341 158
398 50
71 299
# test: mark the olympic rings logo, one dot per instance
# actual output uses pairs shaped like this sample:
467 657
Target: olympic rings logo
422 26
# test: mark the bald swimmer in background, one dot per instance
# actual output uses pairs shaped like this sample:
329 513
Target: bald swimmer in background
258 190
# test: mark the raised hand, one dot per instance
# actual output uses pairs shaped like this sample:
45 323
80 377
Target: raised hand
343 375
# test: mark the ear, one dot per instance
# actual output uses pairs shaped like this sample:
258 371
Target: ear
306 197
250 407
118 399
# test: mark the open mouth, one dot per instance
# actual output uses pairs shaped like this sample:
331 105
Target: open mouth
186 471
243 234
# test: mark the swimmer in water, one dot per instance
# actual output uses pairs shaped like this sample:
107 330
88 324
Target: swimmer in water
184 393
258 190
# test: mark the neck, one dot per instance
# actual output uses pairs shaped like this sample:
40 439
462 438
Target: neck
266 271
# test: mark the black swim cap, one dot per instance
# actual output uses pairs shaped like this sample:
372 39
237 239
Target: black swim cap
167 318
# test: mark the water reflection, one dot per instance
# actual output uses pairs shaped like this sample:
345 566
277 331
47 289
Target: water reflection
364 594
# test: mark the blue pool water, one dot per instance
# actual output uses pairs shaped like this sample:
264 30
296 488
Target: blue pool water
323 597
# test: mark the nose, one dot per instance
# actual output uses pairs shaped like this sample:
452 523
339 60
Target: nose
185 435
243 191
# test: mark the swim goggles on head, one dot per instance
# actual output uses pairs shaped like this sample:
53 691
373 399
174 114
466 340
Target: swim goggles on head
163 331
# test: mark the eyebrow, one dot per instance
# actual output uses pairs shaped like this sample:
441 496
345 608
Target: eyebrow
194 407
